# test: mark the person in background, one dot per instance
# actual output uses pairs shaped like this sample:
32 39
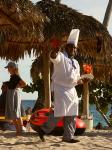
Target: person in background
13 100
99 126
28 111
65 77
3 99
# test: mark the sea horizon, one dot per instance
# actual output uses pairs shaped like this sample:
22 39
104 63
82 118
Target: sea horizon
28 99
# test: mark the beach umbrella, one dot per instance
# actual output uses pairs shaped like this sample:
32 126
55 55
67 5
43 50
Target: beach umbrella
21 28
95 43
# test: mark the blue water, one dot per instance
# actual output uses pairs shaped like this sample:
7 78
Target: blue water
96 115
28 103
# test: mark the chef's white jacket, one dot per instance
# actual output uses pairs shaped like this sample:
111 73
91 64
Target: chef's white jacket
64 80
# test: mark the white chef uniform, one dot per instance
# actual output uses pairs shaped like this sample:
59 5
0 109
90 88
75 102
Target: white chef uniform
64 80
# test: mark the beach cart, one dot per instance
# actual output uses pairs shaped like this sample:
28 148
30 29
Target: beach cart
41 116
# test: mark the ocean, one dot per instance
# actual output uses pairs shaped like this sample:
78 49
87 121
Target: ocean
96 115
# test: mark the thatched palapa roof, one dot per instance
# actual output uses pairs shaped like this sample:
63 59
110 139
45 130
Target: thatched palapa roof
95 43
21 26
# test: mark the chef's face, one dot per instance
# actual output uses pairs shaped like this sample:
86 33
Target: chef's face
71 50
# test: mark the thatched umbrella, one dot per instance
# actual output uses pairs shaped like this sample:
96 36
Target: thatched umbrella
21 26
95 43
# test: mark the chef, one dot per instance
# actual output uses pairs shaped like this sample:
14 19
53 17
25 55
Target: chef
65 77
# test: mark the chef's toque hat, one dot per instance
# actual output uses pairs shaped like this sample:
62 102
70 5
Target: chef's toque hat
73 37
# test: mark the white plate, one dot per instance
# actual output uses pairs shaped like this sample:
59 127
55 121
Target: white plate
87 76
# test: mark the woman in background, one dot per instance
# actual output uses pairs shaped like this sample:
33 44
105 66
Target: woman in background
13 101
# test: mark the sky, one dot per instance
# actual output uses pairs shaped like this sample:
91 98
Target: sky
95 8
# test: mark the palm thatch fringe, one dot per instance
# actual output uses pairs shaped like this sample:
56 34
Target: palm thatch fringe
21 27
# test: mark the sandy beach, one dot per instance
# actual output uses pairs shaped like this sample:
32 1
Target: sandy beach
98 140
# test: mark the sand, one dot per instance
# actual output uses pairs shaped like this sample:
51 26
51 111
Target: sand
96 139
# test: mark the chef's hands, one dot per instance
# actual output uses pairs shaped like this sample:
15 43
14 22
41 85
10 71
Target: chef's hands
82 81
54 53
85 80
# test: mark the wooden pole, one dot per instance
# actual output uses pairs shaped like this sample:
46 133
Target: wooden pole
46 64
86 99
107 14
